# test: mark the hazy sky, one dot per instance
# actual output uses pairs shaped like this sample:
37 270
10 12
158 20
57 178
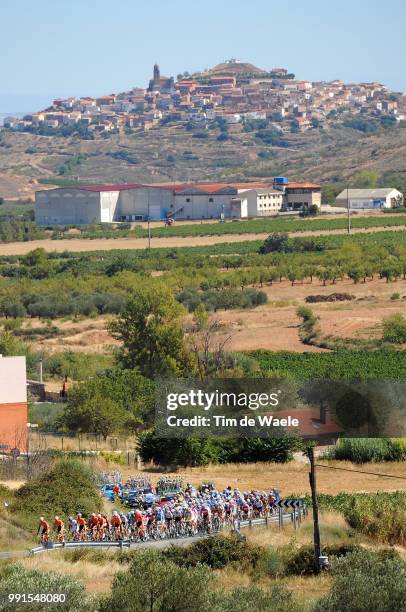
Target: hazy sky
51 48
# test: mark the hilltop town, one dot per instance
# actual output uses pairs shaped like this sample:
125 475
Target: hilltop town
237 95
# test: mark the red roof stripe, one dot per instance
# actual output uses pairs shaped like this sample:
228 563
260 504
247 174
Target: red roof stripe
208 187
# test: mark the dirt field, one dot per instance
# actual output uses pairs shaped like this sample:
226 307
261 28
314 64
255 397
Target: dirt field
89 336
80 245
273 326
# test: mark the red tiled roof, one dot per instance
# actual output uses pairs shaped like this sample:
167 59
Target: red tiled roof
304 185
207 187
309 421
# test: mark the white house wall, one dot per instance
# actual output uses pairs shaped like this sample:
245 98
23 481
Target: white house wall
13 380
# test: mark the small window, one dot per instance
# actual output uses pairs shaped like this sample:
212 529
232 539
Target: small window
187 199
211 199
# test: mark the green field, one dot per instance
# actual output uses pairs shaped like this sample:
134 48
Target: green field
383 364
254 226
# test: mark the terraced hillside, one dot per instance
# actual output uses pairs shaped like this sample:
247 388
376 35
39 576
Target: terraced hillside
173 152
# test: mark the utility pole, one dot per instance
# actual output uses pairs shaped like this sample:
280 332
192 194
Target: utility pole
348 212
40 371
316 529
149 226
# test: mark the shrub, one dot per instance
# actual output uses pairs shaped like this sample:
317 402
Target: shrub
302 561
67 489
363 450
241 599
216 552
226 299
394 328
366 581
17 579
189 451
194 451
383 519
116 458
158 585
278 242
381 516
308 330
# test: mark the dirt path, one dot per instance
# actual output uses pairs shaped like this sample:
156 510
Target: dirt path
79 245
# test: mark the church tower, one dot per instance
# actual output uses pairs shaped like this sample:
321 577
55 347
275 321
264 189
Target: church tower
157 74
155 82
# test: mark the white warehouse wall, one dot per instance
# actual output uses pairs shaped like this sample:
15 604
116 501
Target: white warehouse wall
67 207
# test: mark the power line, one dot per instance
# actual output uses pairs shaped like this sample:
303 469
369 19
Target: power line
330 467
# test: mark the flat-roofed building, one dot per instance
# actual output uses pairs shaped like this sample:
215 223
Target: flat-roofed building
262 202
13 405
299 196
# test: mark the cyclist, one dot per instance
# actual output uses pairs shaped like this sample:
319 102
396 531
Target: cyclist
139 524
205 515
271 501
124 525
59 528
93 525
81 527
43 529
73 527
168 518
130 517
245 509
190 518
116 525
160 521
258 507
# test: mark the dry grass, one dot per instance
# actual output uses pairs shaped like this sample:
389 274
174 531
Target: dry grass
96 576
41 441
12 484
308 589
13 537
333 529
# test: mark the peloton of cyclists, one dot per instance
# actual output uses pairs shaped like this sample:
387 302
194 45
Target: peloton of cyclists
186 513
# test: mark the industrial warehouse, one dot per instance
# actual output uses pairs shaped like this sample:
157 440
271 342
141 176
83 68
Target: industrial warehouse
183 201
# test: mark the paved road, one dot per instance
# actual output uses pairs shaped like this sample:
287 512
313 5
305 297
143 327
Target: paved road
288 518
160 544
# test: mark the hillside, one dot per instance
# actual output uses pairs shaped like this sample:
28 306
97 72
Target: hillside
235 67
173 152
